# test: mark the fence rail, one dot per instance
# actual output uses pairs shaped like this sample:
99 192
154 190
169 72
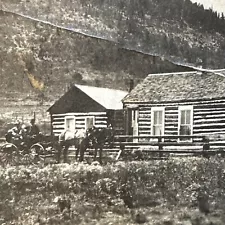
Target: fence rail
174 144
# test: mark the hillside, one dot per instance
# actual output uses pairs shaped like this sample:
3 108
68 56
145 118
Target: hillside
179 30
58 57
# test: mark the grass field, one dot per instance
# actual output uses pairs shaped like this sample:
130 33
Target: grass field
153 192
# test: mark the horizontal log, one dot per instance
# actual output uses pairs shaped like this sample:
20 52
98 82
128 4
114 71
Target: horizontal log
171 115
210 126
217 143
210 110
145 116
160 144
171 128
58 126
100 122
144 111
140 123
210 121
160 136
209 116
143 122
171 120
141 132
142 127
171 111
207 131
210 105
58 118
58 123
101 118
170 133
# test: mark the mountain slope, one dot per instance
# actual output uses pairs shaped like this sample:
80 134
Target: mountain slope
179 30
57 57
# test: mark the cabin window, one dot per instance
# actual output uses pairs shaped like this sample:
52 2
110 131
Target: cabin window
158 114
185 120
89 122
70 123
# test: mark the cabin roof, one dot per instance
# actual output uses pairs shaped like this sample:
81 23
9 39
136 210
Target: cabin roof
82 98
179 86
108 98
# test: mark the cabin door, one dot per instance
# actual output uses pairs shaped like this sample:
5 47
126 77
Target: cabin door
133 123
70 123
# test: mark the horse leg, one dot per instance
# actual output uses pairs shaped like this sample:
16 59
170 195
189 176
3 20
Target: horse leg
81 159
59 152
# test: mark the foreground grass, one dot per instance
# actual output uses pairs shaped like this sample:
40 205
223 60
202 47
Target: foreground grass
155 192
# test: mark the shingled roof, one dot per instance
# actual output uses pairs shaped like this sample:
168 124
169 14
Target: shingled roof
181 86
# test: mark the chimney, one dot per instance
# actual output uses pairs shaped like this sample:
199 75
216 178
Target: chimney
131 85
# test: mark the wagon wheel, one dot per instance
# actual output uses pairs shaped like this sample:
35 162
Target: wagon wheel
9 154
37 153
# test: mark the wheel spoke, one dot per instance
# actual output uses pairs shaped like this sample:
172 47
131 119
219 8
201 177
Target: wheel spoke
9 154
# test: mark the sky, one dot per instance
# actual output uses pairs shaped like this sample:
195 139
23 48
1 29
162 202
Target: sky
217 5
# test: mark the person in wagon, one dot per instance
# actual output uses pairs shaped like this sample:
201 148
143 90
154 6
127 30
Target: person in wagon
33 131
14 135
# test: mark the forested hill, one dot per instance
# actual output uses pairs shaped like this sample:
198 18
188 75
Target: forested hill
42 59
179 30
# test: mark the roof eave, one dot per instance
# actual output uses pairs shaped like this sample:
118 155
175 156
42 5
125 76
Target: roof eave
172 101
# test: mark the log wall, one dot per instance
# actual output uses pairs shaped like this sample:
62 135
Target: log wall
208 117
58 121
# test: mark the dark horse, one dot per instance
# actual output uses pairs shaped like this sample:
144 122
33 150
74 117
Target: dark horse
78 138
100 137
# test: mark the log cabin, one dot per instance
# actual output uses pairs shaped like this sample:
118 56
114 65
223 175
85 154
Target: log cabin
181 103
82 107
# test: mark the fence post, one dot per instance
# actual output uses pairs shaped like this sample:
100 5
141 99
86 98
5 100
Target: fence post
121 151
206 146
160 146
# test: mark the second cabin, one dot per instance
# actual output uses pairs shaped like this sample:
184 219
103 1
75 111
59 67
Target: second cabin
83 107
185 103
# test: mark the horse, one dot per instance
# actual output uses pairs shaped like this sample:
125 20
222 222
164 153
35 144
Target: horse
99 137
78 138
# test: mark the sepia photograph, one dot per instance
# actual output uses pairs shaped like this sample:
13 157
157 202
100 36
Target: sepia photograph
112 112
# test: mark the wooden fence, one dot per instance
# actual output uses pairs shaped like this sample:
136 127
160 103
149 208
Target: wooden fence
166 145
170 145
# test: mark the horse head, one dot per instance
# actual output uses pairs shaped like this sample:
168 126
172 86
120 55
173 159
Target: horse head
101 136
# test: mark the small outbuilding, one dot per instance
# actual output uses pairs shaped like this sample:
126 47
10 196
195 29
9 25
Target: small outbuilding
82 107
183 103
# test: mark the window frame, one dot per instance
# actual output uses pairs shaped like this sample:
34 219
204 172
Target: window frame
185 108
155 109
86 118
69 117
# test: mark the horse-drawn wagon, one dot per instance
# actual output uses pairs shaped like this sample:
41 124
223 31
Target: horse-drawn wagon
28 150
